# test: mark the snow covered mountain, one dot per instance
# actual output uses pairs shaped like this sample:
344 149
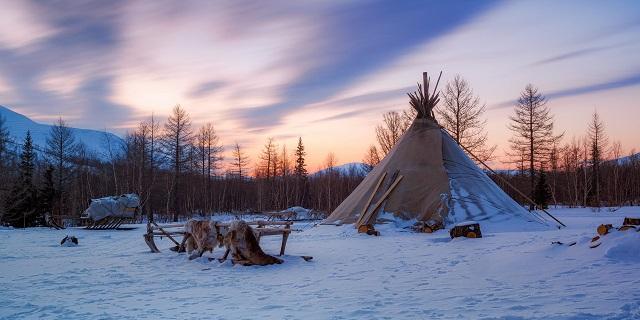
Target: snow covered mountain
95 141
357 168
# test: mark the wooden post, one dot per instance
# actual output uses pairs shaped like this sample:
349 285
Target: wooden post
285 236
373 194
425 83
370 215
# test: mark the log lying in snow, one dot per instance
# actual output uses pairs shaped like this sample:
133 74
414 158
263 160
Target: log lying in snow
631 221
604 229
427 226
466 229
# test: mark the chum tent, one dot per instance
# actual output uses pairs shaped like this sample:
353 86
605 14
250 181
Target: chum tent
439 182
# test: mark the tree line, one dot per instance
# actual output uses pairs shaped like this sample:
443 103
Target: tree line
587 170
179 170
176 169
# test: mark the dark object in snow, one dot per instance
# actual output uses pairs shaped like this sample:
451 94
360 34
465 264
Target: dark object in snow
428 226
241 241
560 243
595 242
631 221
69 241
368 229
466 229
626 227
307 258
604 229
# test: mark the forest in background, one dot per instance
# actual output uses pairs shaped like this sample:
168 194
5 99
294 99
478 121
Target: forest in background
179 170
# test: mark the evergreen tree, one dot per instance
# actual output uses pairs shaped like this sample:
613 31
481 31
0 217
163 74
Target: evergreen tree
542 194
47 193
300 173
4 139
300 170
21 206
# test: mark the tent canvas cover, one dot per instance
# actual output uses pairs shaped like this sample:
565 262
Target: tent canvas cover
440 182
123 206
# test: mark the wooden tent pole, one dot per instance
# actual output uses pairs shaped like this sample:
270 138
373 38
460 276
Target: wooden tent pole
370 215
507 182
373 194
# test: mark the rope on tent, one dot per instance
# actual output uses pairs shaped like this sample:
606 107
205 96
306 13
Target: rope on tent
506 182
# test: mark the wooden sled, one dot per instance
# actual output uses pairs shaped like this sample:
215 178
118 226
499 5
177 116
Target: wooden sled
108 223
52 223
174 232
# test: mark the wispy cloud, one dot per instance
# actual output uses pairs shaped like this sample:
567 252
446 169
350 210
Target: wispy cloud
623 82
573 54
365 36
206 88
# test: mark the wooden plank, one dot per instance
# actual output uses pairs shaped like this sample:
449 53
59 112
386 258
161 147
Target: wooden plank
167 226
373 194
166 234
285 236
271 232
369 217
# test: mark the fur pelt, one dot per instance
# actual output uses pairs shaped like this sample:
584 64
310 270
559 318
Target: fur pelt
201 236
243 245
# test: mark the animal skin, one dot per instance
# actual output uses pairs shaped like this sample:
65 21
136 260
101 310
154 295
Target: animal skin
243 245
200 236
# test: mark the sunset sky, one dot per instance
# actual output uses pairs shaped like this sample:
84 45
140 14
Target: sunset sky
322 70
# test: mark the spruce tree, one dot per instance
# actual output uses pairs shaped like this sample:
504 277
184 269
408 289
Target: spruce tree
542 194
300 170
47 192
22 206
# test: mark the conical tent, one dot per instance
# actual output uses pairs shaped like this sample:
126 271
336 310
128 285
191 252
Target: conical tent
440 182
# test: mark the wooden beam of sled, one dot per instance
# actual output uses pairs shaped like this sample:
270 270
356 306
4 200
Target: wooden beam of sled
370 215
373 194
166 234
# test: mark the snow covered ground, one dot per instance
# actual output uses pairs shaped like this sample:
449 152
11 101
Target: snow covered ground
400 274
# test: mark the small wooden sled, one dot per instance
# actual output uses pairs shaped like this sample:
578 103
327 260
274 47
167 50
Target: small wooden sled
173 232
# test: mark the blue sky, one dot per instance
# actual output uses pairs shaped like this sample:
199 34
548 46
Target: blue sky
323 70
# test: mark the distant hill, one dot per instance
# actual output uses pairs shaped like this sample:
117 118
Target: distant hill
356 168
95 141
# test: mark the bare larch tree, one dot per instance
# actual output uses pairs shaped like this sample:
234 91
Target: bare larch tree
533 137
176 144
598 144
239 163
461 113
